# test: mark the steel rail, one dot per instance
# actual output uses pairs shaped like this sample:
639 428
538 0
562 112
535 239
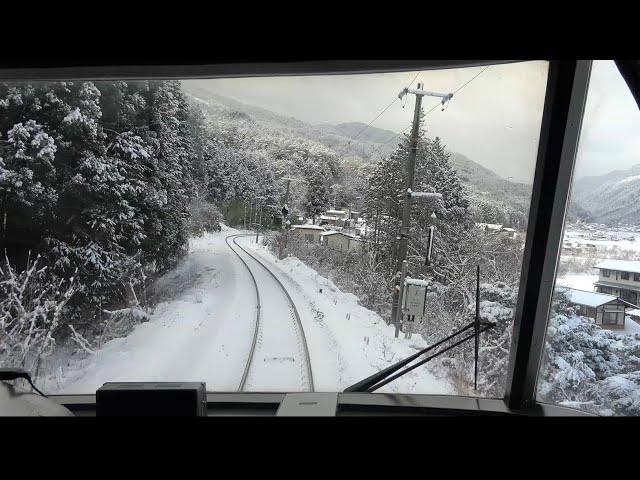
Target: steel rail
293 306
245 373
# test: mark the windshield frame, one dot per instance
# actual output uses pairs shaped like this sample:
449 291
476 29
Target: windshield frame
565 98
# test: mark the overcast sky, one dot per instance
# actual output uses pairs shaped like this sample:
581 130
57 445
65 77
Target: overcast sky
494 120
610 137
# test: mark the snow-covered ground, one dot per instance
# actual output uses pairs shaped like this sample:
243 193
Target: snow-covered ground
579 281
347 342
604 239
203 332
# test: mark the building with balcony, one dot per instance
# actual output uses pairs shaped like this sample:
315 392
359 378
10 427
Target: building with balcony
620 278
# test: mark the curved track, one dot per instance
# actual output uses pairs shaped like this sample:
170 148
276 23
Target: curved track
258 323
245 373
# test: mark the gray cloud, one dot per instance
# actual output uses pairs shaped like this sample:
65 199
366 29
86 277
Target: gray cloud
495 120
610 136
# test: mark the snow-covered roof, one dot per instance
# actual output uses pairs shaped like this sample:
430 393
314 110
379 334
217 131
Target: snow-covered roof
589 299
336 212
620 265
415 281
310 227
333 232
601 283
490 226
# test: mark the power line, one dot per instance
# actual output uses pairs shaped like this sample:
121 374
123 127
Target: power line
414 79
435 106
380 114
475 76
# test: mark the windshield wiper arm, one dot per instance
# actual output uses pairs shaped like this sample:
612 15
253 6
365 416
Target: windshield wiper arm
379 379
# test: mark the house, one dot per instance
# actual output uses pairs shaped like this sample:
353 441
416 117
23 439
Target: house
620 278
338 218
341 241
310 233
608 311
496 227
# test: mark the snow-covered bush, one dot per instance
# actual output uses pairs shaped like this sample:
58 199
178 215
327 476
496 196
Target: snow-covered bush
586 365
31 306
359 272
497 305
119 323
203 217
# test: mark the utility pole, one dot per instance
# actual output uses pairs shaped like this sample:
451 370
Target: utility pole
259 225
396 311
285 214
244 216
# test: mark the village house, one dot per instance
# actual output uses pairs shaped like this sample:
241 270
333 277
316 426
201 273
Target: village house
341 241
336 218
498 228
620 278
608 311
309 233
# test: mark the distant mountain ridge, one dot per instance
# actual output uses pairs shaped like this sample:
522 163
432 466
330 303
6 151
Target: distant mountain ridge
500 199
610 199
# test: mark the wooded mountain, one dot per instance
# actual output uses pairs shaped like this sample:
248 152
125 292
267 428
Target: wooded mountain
494 199
610 199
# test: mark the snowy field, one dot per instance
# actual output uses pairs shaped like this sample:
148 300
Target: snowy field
204 331
604 239
579 281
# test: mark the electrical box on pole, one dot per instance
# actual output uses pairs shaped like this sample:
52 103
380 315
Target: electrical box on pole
427 260
415 297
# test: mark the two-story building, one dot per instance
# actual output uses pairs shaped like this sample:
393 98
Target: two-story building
620 278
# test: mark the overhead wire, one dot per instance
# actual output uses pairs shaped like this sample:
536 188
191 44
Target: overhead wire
455 92
382 112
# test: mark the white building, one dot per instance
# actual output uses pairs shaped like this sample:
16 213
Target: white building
608 311
341 241
310 233
620 278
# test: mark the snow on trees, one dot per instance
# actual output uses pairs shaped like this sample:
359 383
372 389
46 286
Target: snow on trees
30 313
96 177
317 198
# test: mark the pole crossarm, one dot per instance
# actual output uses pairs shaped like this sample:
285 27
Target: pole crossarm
425 93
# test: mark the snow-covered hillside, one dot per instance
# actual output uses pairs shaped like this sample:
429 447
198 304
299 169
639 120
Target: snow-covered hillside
610 198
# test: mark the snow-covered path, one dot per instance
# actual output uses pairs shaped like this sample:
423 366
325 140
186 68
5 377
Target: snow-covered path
204 331
203 334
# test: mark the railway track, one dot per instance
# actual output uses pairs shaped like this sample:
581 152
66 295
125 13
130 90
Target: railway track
245 373
260 324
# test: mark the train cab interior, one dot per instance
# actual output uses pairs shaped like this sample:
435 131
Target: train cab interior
563 96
